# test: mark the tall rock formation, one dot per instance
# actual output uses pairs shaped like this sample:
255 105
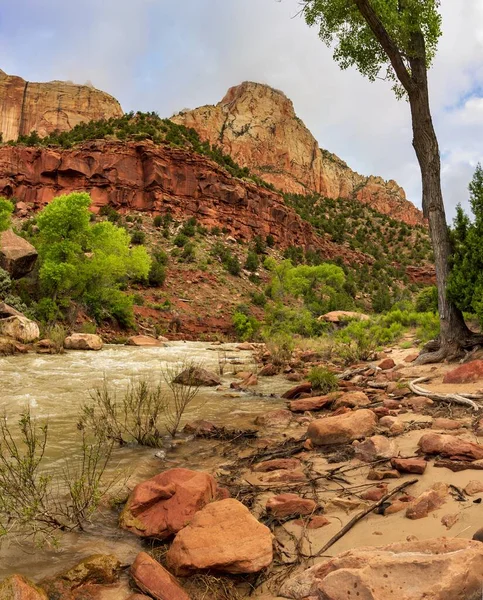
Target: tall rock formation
45 107
258 127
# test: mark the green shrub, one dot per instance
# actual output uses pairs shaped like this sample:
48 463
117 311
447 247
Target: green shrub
427 300
6 210
280 345
138 237
46 310
232 265
270 240
188 254
258 298
157 274
323 380
246 327
112 215
252 262
180 240
189 227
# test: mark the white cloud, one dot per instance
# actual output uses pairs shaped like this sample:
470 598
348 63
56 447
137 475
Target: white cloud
164 56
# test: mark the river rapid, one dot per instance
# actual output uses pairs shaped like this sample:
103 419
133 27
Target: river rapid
55 387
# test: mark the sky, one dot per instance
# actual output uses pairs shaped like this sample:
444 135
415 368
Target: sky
166 56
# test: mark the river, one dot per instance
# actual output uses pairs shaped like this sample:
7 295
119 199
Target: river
55 387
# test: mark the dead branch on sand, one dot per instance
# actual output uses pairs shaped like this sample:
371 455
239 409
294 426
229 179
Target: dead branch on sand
465 399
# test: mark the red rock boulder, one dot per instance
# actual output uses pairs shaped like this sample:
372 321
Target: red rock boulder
450 445
164 504
472 371
155 580
342 429
225 537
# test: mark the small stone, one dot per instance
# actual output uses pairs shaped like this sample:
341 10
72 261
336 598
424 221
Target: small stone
155 580
288 505
474 487
387 364
409 465
449 520
342 429
352 400
288 464
441 423
375 494
379 474
427 502
315 522
374 448
274 418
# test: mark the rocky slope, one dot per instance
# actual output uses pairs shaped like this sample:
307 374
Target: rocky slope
258 127
45 107
159 179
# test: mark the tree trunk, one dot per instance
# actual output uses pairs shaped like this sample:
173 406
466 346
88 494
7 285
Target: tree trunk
454 335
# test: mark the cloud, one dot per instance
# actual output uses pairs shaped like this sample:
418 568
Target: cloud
165 56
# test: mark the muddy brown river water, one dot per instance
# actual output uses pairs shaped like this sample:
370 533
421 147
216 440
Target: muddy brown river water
56 386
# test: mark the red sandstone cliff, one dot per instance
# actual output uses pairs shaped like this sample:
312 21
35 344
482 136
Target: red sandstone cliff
258 127
44 107
159 179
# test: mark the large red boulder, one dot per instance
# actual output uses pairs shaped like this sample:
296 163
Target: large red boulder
17 587
225 537
342 429
450 445
472 371
155 580
164 504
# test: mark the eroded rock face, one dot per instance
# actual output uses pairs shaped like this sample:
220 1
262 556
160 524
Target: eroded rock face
437 569
17 256
225 537
257 125
45 107
142 176
342 429
164 504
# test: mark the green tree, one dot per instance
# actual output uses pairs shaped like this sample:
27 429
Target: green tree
87 262
6 210
466 281
397 40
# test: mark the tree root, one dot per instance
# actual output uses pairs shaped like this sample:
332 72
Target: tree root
465 399
434 351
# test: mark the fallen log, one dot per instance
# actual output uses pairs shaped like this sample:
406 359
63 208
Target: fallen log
465 399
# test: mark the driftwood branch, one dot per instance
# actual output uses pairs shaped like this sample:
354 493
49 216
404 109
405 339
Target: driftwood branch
465 399
360 516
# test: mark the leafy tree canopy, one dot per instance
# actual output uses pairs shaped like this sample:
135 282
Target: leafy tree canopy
84 261
344 25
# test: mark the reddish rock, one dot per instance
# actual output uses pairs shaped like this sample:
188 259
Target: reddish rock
376 493
387 364
391 404
435 569
288 464
225 537
17 256
352 400
449 424
449 445
380 411
196 376
409 465
314 522
268 371
200 427
274 418
17 587
155 580
427 502
467 373
342 429
474 487
417 403
297 391
289 505
164 504
411 358
144 340
380 474
283 476
314 403
83 341
374 448
449 520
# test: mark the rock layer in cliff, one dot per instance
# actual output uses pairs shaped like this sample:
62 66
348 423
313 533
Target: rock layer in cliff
45 107
258 127
160 179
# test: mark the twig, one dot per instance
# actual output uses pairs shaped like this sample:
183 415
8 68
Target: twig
465 399
360 516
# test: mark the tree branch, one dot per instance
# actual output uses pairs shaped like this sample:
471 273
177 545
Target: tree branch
387 43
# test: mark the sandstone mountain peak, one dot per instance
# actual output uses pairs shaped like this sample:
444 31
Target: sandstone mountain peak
45 107
257 125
